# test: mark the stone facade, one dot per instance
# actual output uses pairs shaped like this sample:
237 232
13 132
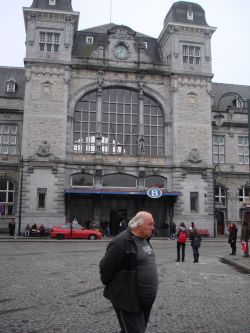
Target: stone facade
174 72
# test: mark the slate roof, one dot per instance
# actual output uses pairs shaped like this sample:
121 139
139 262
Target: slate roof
219 89
16 73
101 35
62 5
178 14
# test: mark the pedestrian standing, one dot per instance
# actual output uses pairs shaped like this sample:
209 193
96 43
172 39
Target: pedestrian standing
27 230
12 225
181 242
129 273
232 238
195 239
245 233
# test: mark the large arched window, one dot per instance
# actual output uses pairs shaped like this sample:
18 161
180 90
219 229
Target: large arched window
119 180
6 197
121 129
220 197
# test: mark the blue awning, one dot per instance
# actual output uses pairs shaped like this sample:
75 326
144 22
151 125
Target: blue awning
79 191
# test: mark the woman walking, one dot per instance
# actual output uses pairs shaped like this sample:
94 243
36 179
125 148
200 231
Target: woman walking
195 239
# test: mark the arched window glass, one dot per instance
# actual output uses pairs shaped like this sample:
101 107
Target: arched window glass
6 197
220 197
153 127
155 181
82 179
120 124
119 180
244 193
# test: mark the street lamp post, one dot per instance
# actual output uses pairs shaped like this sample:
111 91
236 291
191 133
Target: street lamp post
20 197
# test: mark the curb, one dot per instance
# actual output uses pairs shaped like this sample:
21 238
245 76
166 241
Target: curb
236 264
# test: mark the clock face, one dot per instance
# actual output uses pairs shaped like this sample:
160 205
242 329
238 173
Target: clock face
121 51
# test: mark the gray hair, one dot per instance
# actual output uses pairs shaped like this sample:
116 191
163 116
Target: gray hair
136 221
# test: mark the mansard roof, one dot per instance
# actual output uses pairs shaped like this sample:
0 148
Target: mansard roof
178 14
220 89
16 73
64 5
102 34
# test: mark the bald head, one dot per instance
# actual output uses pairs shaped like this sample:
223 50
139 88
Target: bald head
142 224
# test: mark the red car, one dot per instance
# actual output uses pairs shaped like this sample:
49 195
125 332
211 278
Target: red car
70 231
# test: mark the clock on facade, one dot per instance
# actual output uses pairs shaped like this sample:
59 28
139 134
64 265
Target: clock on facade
121 51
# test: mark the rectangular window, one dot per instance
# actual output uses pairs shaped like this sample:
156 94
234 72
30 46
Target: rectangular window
49 42
194 202
8 139
243 150
41 198
191 54
11 87
89 40
218 149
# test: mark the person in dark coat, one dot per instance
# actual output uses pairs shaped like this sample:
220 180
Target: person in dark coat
128 271
195 239
232 238
12 225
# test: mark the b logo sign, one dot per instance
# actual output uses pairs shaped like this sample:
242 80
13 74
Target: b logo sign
154 193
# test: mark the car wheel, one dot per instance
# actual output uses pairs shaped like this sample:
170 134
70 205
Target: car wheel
92 236
59 236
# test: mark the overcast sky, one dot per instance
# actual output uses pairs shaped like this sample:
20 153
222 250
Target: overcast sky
230 42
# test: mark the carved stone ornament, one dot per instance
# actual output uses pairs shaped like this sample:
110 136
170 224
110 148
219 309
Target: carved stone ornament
194 156
43 149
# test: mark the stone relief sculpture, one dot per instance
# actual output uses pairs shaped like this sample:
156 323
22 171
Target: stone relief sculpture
194 156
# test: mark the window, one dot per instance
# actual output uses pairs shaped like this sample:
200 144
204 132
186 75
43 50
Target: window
89 40
155 181
194 202
244 193
239 103
6 197
220 197
8 139
82 179
120 124
41 198
49 42
52 2
11 86
191 54
243 150
119 180
145 45
190 15
218 149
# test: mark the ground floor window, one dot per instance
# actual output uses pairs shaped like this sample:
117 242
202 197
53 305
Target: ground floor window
6 197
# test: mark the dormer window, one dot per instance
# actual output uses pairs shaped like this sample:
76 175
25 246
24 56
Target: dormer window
11 86
239 103
89 40
145 45
52 2
190 15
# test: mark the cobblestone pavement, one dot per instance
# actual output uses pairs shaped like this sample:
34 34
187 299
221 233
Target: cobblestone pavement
54 287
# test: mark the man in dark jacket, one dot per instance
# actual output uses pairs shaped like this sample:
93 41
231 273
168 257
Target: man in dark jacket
232 238
129 273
